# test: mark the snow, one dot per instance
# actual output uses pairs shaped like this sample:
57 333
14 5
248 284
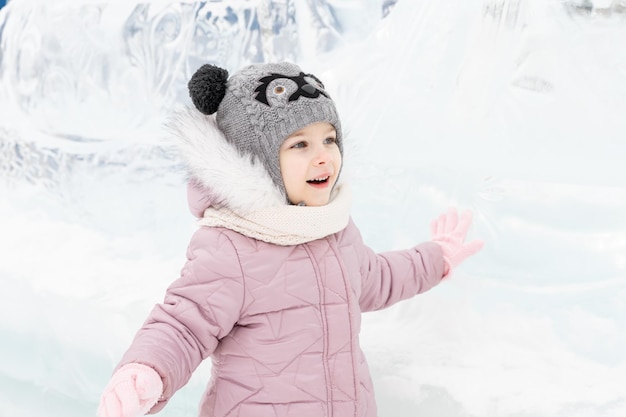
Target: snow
512 108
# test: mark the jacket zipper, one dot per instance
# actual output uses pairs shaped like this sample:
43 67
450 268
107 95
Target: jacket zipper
353 345
320 288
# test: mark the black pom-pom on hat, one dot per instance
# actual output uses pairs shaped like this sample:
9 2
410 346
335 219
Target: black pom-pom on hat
207 88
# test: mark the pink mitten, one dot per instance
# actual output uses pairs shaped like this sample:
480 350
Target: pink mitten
132 392
449 231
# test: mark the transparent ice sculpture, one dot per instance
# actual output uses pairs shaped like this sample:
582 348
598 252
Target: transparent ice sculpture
92 81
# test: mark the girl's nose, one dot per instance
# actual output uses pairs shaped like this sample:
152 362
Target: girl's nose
322 156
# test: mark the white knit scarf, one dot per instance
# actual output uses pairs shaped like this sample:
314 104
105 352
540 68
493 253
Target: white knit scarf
286 225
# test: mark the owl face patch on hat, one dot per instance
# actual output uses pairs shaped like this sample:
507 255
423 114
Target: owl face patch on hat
261 105
307 86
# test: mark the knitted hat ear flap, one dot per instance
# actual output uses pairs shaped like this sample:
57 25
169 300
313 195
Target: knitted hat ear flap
207 88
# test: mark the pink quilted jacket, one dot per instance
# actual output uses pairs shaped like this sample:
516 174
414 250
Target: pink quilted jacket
281 324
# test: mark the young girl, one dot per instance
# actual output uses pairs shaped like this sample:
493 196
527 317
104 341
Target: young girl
277 275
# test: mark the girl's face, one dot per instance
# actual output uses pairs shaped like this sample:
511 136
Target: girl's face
310 162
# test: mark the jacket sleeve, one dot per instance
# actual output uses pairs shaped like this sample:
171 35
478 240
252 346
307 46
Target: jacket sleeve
393 276
199 309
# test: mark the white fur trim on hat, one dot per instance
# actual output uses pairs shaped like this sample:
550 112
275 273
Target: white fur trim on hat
235 180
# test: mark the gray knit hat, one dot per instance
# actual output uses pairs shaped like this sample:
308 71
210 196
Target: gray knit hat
261 105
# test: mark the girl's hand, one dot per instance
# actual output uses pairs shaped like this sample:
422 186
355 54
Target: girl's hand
449 231
132 392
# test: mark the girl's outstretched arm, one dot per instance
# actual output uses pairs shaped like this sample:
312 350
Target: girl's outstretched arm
397 275
199 308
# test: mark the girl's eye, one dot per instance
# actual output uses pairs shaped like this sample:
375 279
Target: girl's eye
299 145
279 89
330 140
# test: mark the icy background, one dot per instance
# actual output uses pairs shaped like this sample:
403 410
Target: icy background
513 108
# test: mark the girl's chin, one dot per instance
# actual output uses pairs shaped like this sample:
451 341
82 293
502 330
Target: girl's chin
317 204
311 201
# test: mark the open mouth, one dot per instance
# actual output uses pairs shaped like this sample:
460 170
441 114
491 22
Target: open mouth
320 181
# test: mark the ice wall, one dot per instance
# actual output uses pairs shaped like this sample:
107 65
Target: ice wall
89 78
511 108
